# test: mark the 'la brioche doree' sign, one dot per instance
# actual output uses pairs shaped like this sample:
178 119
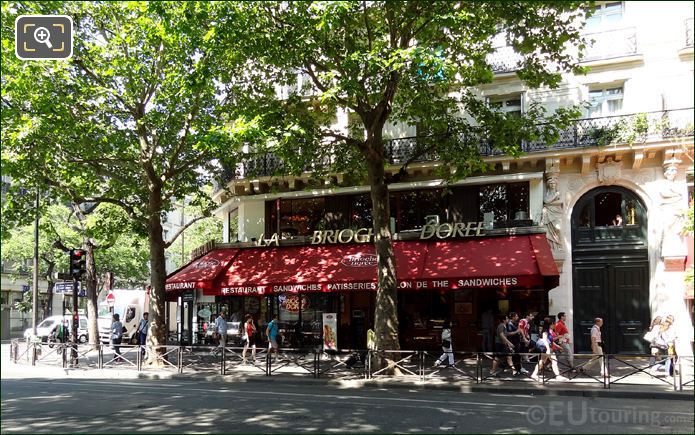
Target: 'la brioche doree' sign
366 235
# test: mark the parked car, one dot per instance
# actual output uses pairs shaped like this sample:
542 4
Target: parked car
48 327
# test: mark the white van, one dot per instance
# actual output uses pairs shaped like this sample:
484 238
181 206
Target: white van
49 324
130 305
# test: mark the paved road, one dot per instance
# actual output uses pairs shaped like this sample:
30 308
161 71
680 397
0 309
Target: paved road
34 405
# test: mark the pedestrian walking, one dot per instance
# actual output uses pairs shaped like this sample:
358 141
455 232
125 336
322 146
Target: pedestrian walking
514 336
562 339
596 346
141 330
249 338
525 328
272 332
447 346
221 330
547 348
116 337
503 348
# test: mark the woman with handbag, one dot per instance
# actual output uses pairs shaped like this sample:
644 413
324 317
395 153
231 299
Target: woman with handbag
249 339
664 341
447 346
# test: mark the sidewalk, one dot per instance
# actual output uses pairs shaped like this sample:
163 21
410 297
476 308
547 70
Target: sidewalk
522 387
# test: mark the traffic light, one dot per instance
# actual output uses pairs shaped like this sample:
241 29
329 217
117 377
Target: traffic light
78 262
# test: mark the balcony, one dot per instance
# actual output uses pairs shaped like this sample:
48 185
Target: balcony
611 44
689 32
504 60
583 133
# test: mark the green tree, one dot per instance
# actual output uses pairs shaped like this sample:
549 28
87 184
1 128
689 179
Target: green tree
131 120
411 62
104 232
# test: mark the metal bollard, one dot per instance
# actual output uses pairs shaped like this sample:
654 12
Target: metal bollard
268 365
606 371
33 354
181 359
138 359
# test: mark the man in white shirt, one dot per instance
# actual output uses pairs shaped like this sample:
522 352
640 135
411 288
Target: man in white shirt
596 345
221 328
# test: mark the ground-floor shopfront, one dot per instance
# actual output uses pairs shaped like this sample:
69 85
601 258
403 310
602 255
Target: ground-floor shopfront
462 281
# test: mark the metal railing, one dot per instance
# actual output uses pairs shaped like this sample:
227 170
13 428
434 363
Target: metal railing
504 60
610 44
689 32
582 133
417 365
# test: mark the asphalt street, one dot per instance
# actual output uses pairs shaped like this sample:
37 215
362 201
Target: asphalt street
39 405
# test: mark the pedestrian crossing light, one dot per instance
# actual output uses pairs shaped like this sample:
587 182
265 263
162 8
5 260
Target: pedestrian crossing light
78 262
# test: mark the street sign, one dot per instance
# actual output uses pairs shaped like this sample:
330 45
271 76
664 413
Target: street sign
110 299
65 288
63 276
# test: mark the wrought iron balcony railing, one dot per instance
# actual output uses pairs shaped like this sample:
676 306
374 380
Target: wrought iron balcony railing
611 44
583 133
504 60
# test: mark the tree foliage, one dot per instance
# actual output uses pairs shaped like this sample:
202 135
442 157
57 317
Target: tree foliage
409 63
134 119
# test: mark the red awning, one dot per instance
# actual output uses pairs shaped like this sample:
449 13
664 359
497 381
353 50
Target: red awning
201 272
506 262
495 262
299 269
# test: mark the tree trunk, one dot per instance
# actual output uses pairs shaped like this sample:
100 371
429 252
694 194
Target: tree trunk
157 333
386 311
49 290
91 290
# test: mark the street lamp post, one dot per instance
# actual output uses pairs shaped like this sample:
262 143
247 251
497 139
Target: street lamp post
35 275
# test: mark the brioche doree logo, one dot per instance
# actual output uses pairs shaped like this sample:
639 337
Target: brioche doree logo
359 260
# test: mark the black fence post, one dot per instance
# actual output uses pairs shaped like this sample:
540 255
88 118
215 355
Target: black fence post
64 355
33 353
180 359
100 356
606 371
268 364
223 369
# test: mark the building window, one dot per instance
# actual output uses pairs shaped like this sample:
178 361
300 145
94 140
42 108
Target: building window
505 202
606 15
233 226
510 104
300 217
605 102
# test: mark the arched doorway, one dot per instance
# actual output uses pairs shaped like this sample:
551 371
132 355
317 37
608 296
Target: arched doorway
610 269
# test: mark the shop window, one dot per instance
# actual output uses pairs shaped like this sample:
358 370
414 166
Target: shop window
505 202
299 217
361 211
414 209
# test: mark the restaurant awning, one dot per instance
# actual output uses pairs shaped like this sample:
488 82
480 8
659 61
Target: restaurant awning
201 272
523 261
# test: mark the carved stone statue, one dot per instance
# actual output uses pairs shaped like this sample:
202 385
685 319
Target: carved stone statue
671 205
551 216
